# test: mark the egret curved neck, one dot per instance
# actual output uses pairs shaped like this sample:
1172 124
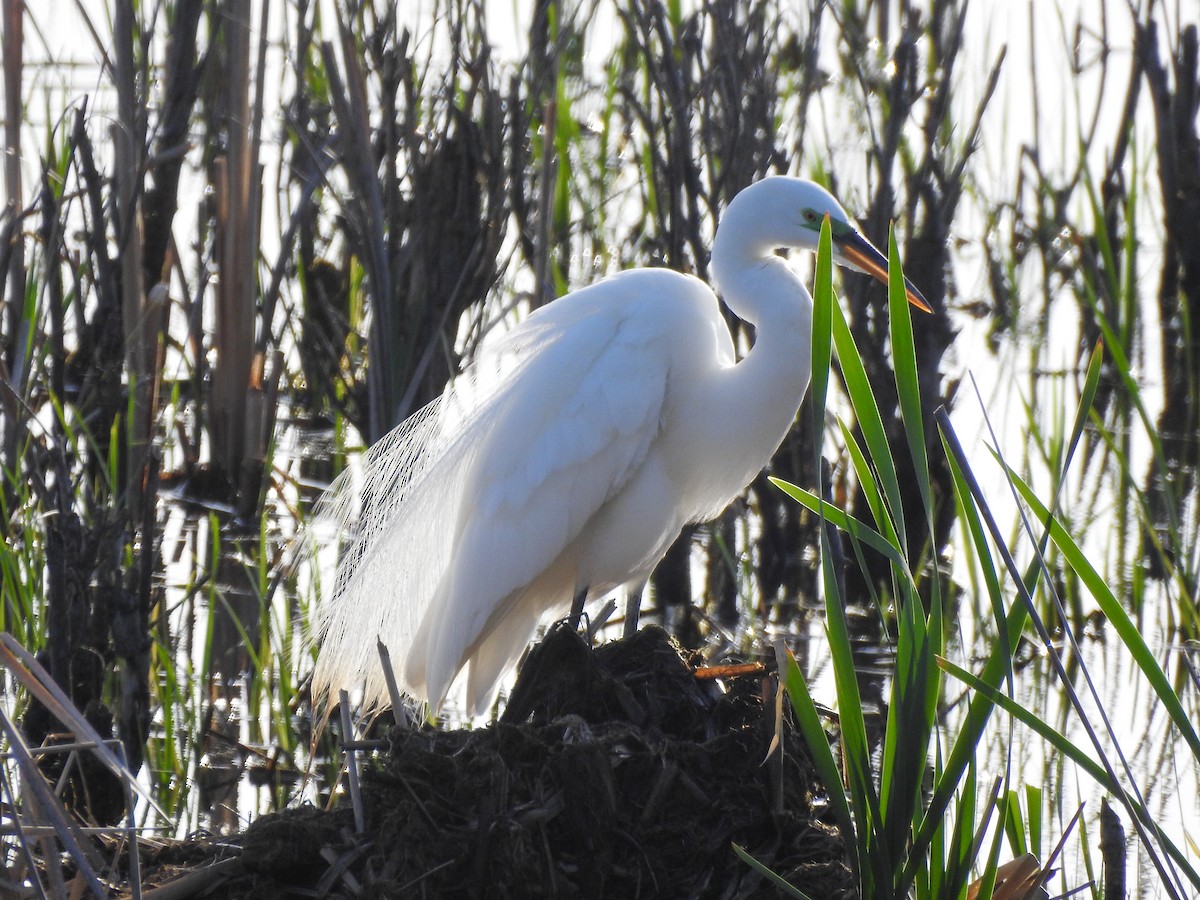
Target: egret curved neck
774 375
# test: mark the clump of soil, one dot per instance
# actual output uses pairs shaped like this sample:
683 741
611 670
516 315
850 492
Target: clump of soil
613 773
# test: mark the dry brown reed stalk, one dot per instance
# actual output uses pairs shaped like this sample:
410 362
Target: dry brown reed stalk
238 188
12 274
180 79
1175 96
128 160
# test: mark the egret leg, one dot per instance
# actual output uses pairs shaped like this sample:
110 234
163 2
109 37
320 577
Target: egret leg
633 608
577 608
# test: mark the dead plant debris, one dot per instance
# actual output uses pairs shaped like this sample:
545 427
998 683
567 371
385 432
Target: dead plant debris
613 773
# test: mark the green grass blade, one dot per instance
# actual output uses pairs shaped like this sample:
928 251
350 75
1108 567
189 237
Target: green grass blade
808 719
823 304
866 410
787 887
856 528
856 748
912 712
870 488
904 359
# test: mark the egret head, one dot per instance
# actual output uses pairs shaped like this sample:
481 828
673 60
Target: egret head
781 211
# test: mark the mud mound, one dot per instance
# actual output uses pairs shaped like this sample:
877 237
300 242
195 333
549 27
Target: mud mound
614 773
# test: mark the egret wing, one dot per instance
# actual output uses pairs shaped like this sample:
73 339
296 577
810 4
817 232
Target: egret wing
565 440
471 499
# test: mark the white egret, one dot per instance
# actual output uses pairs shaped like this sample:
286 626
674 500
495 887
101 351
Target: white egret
570 453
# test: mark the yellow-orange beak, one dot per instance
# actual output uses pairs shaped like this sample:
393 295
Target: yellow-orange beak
862 255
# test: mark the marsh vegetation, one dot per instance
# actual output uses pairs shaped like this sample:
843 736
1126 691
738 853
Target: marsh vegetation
240 241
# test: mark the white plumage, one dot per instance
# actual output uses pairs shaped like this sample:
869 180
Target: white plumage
569 454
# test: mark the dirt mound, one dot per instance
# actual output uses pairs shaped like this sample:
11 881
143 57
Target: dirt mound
614 773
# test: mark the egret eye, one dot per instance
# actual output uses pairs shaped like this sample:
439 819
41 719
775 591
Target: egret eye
810 216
